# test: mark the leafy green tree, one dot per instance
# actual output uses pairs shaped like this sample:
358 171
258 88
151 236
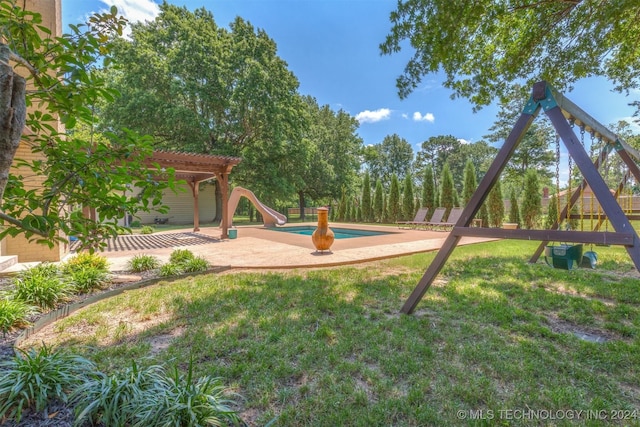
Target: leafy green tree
201 88
393 156
514 209
78 169
470 183
378 202
366 198
428 189
532 201
485 46
435 152
333 150
408 207
394 208
496 205
446 189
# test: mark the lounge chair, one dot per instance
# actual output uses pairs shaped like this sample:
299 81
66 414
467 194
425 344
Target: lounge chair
436 219
418 219
453 218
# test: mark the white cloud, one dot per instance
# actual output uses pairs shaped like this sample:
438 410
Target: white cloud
405 116
135 10
428 117
367 116
464 141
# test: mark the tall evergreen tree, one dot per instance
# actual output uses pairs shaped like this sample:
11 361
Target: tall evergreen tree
514 210
446 189
342 207
378 203
470 182
393 206
428 189
496 205
408 207
366 197
532 202
483 214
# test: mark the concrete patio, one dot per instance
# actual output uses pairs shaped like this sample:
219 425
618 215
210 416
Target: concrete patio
259 247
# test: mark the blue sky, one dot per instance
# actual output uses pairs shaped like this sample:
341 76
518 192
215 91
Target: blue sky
332 48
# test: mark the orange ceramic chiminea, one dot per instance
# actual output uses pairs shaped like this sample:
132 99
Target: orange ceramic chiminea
322 237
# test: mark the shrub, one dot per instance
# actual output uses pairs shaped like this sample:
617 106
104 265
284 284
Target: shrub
41 286
194 265
185 402
34 379
112 400
143 262
179 256
83 260
147 229
135 224
170 269
87 279
14 313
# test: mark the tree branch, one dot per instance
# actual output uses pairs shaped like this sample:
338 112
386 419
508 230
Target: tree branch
14 221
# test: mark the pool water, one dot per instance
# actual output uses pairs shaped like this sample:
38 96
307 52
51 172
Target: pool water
339 233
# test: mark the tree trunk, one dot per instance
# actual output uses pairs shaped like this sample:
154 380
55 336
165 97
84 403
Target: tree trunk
13 113
218 196
301 205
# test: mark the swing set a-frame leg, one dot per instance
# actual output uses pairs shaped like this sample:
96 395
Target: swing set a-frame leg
469 212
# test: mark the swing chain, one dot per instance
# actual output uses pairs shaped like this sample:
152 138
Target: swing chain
558 180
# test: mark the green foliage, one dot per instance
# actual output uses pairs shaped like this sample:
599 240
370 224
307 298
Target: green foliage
148 396
170 269
85 259
496 205
408 207
531 203
514 209
428 189
185 401
483 214
522 42
470 183
367 213
378 202
342 206
552 212
446 189
143 262
195 265
180 256
203 88
13 313
78 167
113 400
147 229
33 379
394 210
41 286
87 279
393 156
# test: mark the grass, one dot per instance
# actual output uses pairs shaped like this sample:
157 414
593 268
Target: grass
329 347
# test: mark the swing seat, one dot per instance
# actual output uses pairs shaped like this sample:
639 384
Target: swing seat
563 256
589 259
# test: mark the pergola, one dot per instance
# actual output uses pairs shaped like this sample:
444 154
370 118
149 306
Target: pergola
195 168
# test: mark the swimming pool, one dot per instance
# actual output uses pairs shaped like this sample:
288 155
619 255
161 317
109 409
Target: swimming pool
339 233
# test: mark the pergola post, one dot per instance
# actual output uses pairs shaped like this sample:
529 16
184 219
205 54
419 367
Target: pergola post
223 181
195 190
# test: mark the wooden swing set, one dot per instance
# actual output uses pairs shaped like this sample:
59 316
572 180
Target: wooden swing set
564 115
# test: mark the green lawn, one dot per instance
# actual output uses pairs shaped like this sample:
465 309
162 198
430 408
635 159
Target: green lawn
329 347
